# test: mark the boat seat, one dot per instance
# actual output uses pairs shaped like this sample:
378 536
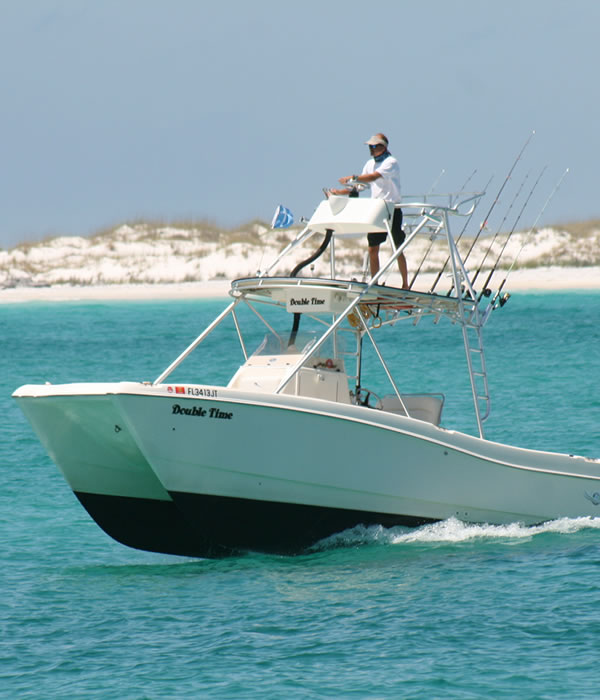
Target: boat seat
425 407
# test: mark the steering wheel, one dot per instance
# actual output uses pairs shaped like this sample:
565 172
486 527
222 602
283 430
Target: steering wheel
359 186
366 397
351 185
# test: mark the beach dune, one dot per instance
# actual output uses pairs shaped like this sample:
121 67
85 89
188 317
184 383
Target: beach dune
148 261
544 279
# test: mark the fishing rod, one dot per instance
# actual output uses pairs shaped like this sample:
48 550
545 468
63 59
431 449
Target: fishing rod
485 290
504 299
435 182
466 182
464 228
484 222
424 258
431 189
491 245
506 179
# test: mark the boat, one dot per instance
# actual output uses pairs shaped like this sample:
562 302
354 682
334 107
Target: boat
280 455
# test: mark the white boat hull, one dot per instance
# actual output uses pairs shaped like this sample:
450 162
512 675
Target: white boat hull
277 473
203 476
85 436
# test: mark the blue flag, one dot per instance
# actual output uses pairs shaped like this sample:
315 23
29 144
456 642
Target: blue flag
283 218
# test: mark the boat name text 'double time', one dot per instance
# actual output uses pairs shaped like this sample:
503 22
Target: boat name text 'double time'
200 412
313 301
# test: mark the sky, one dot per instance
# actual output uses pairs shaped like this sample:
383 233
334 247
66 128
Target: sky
122 110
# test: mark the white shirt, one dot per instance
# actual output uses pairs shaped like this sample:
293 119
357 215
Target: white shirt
388 185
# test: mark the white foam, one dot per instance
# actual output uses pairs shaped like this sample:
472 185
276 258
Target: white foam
453 531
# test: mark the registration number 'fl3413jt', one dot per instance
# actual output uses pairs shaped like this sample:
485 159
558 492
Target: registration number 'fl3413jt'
193 391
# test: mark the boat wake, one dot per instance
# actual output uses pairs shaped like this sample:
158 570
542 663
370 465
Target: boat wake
452 531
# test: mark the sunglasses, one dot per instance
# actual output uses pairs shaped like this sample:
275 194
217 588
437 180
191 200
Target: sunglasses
375 146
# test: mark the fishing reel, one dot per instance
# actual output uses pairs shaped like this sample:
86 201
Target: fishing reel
499 301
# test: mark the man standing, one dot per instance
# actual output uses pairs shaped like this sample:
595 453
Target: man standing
382 174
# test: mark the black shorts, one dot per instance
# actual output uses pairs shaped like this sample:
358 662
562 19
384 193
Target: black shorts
397 233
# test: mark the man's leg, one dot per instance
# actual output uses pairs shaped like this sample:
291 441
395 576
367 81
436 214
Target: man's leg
402 266
398 235
374 259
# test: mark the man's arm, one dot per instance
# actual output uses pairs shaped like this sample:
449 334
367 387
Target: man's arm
364 178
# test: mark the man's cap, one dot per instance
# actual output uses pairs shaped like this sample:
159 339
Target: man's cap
377 140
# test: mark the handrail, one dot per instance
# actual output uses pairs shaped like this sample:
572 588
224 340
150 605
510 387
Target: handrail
196 342
454 209
304 235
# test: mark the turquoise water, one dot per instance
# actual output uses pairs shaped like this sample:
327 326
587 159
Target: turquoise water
444 611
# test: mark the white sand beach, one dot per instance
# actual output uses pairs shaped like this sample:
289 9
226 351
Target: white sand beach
145 262
117 292
546 279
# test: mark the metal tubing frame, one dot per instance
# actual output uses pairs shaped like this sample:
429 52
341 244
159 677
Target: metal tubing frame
294 370
240 336
457 263
199 339
264 320
332 257
300 238
383 363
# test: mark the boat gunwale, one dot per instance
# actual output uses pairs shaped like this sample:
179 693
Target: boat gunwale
285 403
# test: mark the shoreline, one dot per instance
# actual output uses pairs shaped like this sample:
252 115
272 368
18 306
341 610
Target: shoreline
541 279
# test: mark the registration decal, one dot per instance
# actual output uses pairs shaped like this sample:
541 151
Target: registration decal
193 391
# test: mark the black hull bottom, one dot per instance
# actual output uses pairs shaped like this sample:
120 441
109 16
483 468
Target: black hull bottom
213 527
276 528
148 524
